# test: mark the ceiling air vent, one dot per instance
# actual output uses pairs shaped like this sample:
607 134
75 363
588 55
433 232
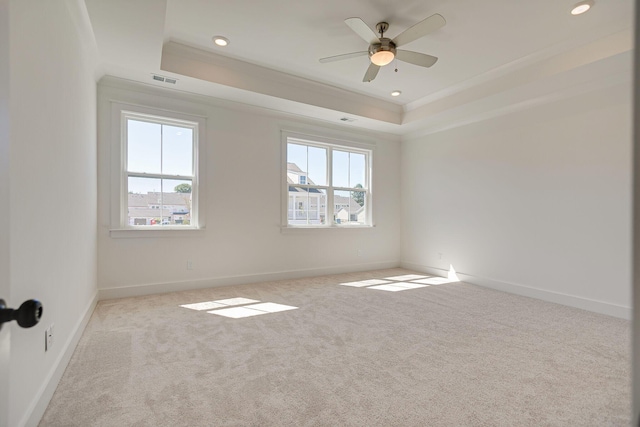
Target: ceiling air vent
164 79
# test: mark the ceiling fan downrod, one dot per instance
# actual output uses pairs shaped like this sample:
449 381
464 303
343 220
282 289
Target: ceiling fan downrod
382 27
377 50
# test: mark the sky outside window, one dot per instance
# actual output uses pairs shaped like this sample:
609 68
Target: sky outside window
159 149
348 168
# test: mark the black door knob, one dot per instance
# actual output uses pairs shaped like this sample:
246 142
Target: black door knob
28 315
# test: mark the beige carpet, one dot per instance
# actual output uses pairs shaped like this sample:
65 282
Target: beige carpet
449 354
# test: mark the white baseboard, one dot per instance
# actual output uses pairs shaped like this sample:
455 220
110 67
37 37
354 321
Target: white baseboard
157 288
555 297
40 402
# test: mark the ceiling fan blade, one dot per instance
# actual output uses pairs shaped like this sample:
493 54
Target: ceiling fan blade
344 56
362 29
371 73
416 58
421 29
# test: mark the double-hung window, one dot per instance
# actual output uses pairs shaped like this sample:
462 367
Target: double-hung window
326 184
159 174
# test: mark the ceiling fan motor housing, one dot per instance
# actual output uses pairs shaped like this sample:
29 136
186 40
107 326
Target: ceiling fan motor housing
384 45
382 50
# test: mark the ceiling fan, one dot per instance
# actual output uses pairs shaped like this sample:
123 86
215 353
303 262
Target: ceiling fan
382 50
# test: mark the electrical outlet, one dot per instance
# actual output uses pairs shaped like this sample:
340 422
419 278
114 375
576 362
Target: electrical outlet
439 255
359 252
48 337
189 265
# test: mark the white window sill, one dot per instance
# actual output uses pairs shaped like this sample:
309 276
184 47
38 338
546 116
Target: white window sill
298 229
133 233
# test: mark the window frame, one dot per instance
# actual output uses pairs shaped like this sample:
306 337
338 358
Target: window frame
120 226
330 145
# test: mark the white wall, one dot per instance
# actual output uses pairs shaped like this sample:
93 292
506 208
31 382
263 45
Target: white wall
635 352
5 288
52 201
536 202
243 241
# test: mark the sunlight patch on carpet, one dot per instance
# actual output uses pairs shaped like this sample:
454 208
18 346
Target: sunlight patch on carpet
355 284
224 307
270 307
210 305
406 277
252 310
236 301
395 287
375 282
389 288
207 305
408 285
397 283
237 312
364 283
434 281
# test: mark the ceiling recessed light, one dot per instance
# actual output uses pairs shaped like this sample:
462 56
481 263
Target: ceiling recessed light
582 7
396 93
220 41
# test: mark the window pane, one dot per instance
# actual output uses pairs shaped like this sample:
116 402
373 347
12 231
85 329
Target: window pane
340 206
340 168
177 150
317 160
176 202
349 207
144 201
144 185
306 206
143 146
357 208
296 162
308 167
159 202
356 170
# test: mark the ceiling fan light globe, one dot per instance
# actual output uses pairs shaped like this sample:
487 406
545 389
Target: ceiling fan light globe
382 57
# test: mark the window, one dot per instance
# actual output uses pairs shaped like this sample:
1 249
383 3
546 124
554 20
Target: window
158 182
322 175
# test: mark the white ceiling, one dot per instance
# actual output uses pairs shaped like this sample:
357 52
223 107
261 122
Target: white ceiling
492 53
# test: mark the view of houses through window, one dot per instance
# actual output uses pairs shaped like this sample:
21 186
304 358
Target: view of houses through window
159 172
327 184
159 208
